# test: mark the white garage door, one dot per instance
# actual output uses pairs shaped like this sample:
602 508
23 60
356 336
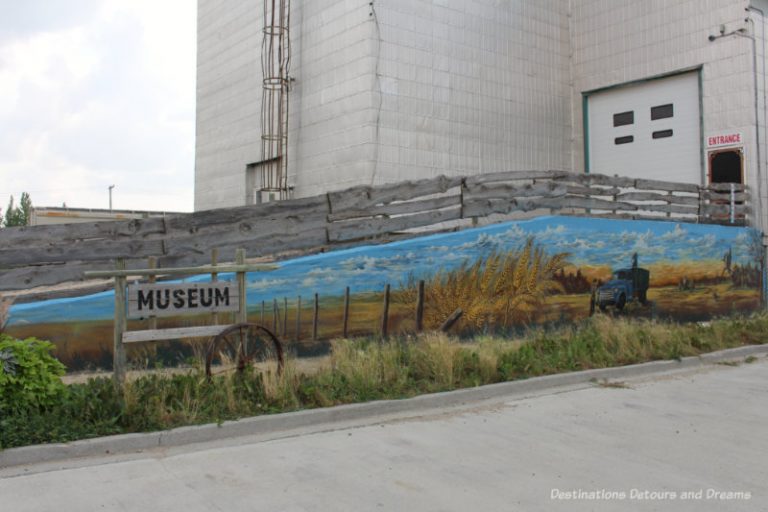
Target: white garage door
649 130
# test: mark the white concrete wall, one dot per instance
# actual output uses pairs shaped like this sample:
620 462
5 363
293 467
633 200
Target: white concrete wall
471 87
332 122
630 41
331 115
228 100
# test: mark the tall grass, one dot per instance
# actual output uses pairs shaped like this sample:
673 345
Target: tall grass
362 370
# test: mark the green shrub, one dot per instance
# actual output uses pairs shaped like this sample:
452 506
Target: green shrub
29 375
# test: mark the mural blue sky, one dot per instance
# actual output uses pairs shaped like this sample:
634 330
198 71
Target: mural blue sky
369 268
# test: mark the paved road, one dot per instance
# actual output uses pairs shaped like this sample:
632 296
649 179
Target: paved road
696 431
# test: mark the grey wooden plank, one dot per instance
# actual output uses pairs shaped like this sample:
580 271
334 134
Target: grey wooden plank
402 208
204 331
361 197
669 208
353 230
591 191
725 187
484 207
29 236
666 186
506 191
574 202
725 196
92 250
506 176
650 196
268 233
278 211
176 271
600 179
725 209
198 248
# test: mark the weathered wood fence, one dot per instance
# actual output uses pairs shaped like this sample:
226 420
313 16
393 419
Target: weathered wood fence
47 255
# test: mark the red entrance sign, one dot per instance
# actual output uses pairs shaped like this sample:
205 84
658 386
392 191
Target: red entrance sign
725 139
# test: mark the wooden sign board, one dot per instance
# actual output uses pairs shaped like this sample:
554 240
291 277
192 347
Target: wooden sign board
145 300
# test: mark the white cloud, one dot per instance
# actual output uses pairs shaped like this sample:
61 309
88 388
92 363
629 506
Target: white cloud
98 94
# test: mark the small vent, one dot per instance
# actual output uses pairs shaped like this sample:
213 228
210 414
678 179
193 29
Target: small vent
624 140
663 134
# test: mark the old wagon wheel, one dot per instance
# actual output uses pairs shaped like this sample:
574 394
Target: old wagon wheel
241 345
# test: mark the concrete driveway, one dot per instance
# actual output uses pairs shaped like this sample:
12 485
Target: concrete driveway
691 440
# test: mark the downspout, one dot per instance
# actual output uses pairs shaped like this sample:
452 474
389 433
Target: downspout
760 169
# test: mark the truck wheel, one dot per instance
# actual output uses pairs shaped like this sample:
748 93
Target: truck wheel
603 306
621 302
643 297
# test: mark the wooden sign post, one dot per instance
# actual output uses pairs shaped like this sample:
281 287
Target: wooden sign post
152 300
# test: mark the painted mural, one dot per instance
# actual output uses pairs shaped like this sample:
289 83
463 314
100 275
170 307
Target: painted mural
503 276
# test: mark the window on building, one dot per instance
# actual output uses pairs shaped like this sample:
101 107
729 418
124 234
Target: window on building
662 112
624 118
624 140
662 134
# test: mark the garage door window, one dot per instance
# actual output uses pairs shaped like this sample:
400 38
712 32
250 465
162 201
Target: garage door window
662 112
624 118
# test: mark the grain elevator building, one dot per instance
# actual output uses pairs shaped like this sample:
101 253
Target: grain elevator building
390 90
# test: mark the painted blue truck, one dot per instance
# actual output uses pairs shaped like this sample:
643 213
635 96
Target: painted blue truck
626 285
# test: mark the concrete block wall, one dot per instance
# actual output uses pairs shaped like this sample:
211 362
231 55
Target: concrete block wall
228 100
331 117
471 87
332 122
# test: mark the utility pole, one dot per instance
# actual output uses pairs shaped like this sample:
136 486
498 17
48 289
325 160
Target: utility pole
110 196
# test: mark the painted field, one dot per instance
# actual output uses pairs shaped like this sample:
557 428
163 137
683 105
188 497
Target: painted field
502 276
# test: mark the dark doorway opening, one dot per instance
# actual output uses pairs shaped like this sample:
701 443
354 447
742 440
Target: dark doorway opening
726 166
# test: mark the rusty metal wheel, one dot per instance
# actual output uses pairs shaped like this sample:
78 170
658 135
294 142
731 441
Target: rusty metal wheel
243 345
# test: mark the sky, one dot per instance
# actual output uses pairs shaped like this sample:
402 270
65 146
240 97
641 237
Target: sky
96 93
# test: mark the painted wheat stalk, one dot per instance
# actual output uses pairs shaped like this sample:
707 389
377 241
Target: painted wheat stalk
496 290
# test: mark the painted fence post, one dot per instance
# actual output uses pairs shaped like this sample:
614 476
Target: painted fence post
345 323
385 314
420 307
285 317
242 314
315 318
214 279
298 318
118 359
275 314
152 264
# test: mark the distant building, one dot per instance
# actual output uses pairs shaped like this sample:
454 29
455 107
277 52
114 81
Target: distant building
47 215
390 90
